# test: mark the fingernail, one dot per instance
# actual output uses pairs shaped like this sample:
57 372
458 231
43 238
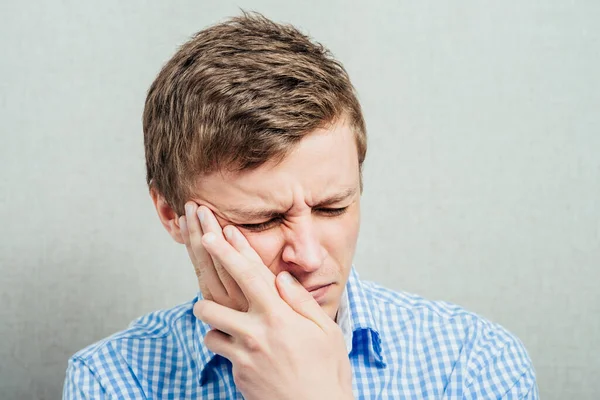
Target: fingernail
228 232
209 237
287 278
189 209
182 224
201 214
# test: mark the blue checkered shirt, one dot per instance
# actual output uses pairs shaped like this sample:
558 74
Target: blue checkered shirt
402 347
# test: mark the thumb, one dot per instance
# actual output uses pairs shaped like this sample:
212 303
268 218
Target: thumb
301 301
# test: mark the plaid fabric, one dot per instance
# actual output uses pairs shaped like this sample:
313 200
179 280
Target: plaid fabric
403 347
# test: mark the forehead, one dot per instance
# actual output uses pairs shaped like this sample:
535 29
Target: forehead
324 163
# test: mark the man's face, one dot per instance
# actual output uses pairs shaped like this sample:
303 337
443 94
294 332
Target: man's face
301 215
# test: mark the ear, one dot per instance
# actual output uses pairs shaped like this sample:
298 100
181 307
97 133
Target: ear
168 217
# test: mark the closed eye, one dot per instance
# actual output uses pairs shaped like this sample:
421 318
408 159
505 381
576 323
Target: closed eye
331 212
263 226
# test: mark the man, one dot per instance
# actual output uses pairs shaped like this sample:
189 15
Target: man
254 144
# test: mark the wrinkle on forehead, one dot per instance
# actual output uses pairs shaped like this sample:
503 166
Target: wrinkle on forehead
323 164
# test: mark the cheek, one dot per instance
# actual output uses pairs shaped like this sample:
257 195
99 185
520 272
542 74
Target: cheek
268 245
339 236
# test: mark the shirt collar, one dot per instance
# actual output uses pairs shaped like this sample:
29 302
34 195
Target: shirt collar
357 318
364 320
343 320
204 357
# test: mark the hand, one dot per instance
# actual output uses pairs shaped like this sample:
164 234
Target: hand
285 346
215 282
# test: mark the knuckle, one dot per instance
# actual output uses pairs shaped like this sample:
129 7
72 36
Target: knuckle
275 320
241 374
223 274
244 365
250 343
199 270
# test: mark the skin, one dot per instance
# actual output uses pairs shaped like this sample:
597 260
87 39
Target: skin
310 242
247 234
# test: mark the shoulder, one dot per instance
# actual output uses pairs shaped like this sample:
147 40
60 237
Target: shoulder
155 326
153 344
414 312
472 350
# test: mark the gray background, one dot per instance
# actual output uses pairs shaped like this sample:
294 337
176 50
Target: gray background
481 182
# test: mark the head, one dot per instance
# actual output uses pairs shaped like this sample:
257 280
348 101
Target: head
261 125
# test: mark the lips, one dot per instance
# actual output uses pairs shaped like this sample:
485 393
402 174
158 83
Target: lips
316 287
319 292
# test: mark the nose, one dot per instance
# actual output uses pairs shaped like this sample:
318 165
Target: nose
302 249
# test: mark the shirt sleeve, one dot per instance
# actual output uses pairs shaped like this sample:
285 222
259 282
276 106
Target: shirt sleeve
507 375
81 383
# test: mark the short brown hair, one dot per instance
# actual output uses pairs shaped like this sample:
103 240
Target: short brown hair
236 95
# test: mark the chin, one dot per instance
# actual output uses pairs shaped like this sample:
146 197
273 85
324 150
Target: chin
330 310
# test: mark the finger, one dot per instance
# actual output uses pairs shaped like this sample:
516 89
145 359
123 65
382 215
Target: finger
231 322
240 243
220 343
185 234
203 265
249 275
204 289
297 297
210 224
236 295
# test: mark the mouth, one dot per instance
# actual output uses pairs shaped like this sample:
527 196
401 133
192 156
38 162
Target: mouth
319 293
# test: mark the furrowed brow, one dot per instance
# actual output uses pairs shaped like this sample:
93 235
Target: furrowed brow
259 214
336 198
251 214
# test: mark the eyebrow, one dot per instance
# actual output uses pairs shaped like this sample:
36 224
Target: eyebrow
336 198
261 214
